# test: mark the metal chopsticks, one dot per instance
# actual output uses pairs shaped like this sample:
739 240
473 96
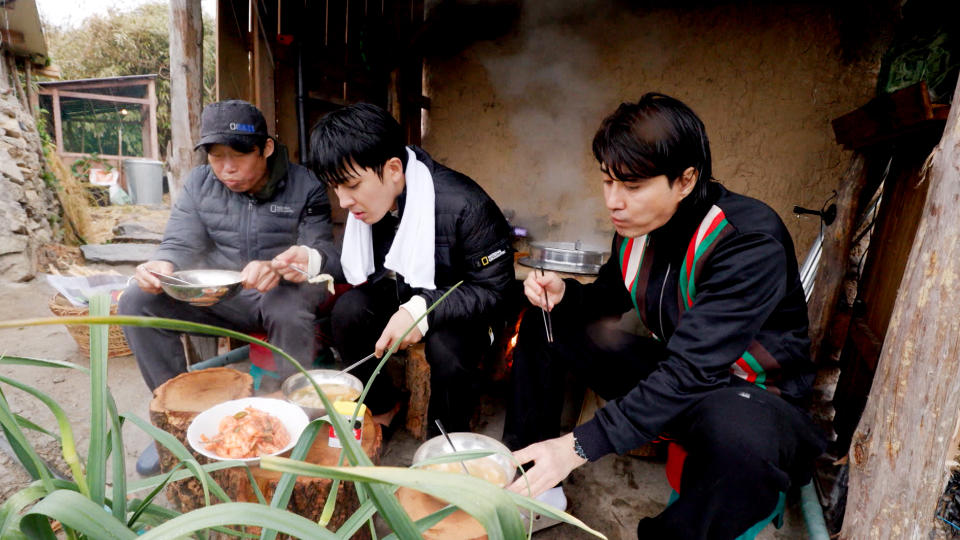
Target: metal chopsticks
547 321
450 442
357 363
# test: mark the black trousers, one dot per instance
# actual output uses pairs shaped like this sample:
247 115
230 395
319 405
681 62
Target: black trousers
453 350
745 445
285 312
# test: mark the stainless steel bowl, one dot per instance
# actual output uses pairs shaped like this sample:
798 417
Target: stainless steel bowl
439 446
570 257
208 286
320 376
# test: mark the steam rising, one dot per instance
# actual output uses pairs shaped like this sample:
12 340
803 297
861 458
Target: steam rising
552 81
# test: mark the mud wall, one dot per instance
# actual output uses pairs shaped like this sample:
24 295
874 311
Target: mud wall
518 113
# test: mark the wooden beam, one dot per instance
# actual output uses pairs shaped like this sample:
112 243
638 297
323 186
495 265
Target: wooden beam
50 71
17 89
46 88
102 97
867 344
31 93
186 89
885 117
905 437
11 36
834 259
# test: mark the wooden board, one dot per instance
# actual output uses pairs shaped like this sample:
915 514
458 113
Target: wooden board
888 116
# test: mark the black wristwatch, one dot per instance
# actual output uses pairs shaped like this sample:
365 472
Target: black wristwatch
578 448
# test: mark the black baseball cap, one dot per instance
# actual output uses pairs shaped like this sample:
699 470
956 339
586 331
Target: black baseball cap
227 121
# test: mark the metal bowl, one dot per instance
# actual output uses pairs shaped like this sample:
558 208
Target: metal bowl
570 257
320 376
209 286
463 441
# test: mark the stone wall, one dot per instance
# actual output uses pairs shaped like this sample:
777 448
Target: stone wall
518 113
26 203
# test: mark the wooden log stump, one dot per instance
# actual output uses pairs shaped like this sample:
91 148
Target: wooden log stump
457 526
417 377
175 404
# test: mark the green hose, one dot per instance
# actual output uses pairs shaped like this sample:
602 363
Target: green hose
813 513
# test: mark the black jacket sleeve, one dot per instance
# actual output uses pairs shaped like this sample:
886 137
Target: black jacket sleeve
741 286
486 257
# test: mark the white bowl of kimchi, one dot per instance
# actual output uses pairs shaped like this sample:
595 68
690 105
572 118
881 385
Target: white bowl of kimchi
247 429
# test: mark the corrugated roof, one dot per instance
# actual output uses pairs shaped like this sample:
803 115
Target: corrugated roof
21 21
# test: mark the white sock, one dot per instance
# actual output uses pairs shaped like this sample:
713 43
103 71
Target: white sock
554 497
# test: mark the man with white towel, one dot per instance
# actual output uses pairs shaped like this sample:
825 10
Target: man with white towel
415 229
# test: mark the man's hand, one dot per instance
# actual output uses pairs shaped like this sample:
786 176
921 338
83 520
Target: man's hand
395 328
537 282
149 282
260 276
553 459
293 255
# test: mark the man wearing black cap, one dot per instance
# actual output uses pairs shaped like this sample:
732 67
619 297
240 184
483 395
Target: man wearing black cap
250 210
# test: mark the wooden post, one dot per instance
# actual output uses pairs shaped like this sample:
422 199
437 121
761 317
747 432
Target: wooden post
152 96
4 76
906 434
254 72
57 123
836 252
233 59
186 89
32 98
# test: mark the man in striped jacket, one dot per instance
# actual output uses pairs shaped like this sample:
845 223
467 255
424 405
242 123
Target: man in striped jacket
726 369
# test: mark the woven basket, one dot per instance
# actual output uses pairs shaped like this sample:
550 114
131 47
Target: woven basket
116 343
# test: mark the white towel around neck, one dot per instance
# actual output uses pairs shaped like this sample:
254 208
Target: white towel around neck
411 254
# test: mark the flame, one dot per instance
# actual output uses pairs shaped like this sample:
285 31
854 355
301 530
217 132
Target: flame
513 340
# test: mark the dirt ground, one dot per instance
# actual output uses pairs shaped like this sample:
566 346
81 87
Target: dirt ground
609 495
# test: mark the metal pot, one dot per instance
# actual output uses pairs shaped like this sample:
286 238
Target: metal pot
569 257
463 441
320 376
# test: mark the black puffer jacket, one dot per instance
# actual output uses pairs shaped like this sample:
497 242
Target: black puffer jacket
213 227
472 244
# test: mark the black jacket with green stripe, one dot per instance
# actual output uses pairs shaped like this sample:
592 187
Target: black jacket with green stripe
719 285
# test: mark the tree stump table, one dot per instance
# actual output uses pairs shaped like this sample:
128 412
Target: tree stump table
176 402
309 494
457 526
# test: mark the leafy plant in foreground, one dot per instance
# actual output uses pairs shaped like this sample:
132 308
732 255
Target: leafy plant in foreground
85 509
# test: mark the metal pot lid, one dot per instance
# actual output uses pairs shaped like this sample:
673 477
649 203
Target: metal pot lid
569 257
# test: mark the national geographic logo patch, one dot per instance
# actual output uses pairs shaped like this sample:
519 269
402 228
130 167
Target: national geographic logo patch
487 259
280 209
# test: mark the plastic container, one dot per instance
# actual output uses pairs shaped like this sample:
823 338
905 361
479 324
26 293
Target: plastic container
144 180
346 409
